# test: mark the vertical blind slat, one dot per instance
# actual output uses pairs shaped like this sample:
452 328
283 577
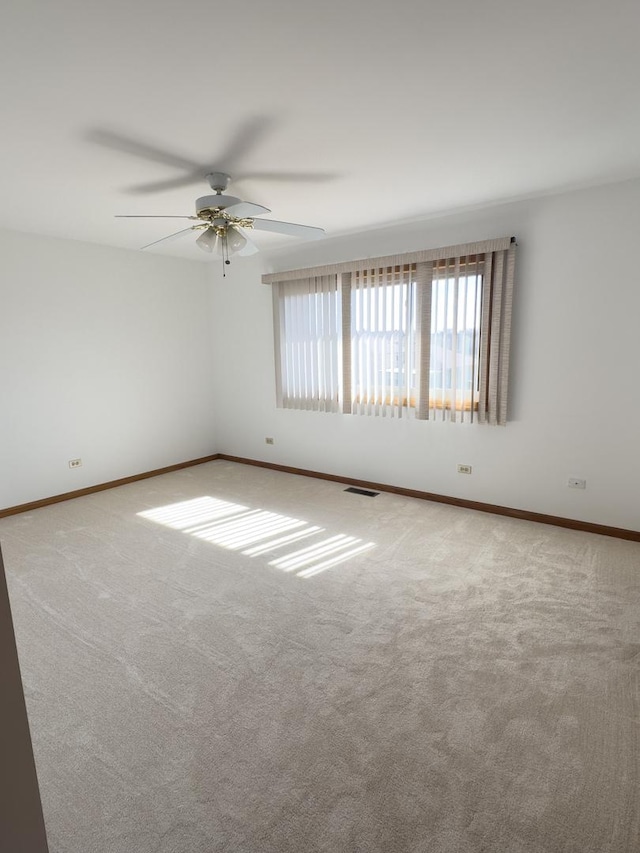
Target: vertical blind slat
443 334
375 367
505 337
424 277
494 341
369 359
278 311
347 364
386 368
464 371
455 395
317 361
484 336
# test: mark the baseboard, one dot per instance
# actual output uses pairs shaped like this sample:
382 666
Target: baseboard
511 512
100 487
526 515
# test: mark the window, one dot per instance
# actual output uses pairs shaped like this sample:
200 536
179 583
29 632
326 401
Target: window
383 340
454 364
425 335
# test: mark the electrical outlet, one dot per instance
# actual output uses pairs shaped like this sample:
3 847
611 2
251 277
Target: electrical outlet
464 469
576 483
75 463
269 441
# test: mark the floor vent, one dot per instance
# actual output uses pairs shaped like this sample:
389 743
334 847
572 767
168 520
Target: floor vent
362 492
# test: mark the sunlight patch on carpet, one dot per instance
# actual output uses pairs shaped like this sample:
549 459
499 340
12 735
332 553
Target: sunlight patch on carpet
255 532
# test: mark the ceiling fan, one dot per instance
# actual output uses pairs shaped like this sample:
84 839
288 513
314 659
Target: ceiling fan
223 221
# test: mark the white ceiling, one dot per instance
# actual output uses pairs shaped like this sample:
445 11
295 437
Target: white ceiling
389 111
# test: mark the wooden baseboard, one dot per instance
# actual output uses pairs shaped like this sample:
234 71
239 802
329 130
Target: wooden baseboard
526 515
100 487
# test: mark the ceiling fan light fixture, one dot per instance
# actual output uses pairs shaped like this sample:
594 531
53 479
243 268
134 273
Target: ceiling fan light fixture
222 220
207 240
236 241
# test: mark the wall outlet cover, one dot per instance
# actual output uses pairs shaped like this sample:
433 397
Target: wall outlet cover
576 483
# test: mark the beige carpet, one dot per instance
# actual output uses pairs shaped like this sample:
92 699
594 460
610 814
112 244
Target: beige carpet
233 659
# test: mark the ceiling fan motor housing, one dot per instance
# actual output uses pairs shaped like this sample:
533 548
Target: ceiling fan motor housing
207 203
218 181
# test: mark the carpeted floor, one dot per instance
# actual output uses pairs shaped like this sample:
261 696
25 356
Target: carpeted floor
233 659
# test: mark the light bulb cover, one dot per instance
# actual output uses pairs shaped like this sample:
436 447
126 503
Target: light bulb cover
235 240
207 240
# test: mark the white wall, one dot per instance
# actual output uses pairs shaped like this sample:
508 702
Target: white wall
112 356
574 371
105 354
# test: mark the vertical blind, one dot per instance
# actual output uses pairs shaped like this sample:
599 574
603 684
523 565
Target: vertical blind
308 319
383 369
425 334
455 338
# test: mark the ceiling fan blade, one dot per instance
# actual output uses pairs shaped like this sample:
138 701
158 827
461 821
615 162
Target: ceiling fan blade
308 231
141 149
198 176
292 177
249 248
245 209
151 216
245 138
172 184
170 237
